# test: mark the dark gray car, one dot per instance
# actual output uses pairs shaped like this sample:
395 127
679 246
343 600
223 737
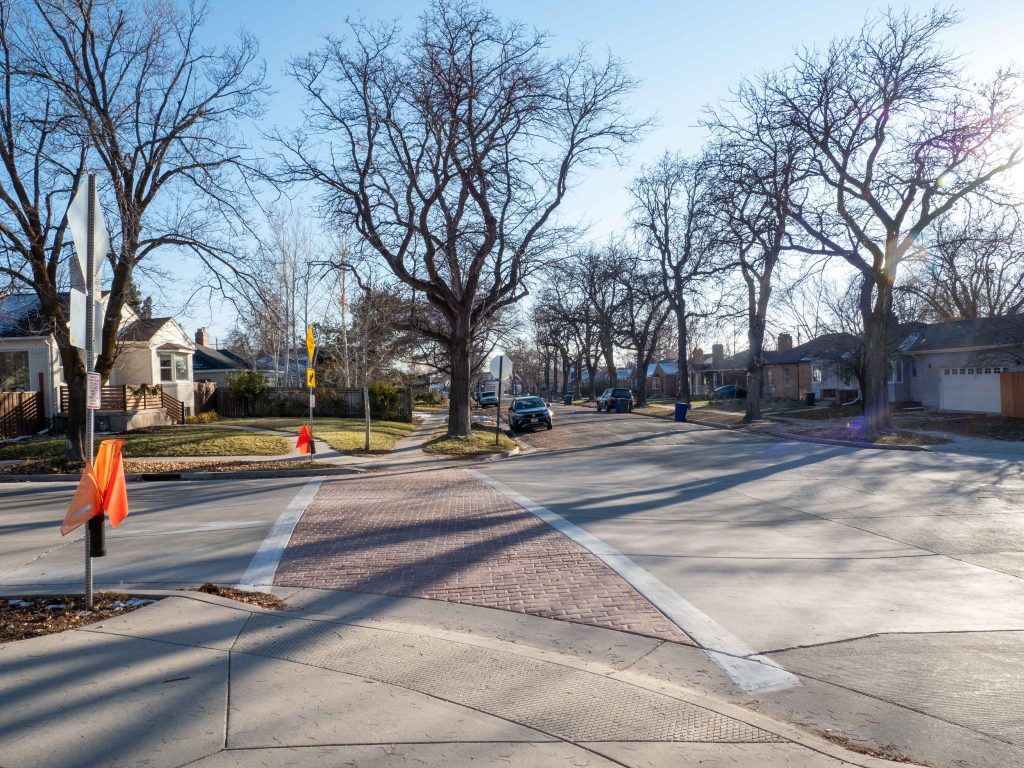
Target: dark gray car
528 411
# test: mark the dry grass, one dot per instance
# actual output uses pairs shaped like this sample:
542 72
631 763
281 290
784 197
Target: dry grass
481 441
883 751
827 413
59 466
970 425
347 435
21 619
899 437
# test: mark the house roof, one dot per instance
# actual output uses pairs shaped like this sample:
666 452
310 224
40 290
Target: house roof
210 359
966 334
829 345
143 328
20 315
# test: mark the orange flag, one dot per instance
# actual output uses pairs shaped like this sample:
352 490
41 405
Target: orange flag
101 489
87 503
304 442
115 494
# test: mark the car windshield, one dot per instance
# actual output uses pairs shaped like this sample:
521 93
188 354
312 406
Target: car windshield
620 393
528 402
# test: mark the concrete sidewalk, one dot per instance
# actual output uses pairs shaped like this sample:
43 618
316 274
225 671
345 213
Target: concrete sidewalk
364 680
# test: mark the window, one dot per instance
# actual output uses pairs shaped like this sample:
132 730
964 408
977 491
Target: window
174 367
787 378
14 371
897 371
656 383
816 374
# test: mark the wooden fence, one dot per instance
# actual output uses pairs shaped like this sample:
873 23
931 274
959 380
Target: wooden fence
120 398
21 413
1011 389
287 401
174 407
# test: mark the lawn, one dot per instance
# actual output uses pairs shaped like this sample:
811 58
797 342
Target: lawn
481 441
971 425
345 435
183 440
827 413
898 437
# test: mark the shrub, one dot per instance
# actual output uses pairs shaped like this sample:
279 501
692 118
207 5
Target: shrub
431 398
249 384
203 418
386 401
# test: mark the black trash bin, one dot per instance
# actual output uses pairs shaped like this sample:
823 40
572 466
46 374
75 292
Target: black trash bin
567 400
681 409
809 398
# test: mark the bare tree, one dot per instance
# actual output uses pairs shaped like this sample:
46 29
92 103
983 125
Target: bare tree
972 266
754 164
450 150
672 211
130 85
896 137
641 317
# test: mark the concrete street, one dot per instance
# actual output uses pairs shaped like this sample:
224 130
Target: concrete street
871 598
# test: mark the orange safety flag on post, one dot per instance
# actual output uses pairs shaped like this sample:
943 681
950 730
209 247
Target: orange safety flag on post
304 443
87 503
101 489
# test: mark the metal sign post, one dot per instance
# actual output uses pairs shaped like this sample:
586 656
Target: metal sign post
501 367
94 543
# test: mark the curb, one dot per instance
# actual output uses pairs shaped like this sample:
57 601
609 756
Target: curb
142 477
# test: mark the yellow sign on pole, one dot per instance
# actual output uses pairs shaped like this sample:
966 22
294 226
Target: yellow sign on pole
310 377
310 344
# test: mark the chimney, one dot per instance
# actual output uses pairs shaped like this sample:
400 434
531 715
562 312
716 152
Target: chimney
203 337
717 354
785 342
697 356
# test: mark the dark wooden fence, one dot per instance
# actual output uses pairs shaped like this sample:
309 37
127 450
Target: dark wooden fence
287 401
21 413
120 398
1011 389
174 407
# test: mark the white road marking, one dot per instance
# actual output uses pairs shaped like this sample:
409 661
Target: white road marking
751 671
259 575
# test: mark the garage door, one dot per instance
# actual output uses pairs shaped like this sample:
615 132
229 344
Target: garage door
970 389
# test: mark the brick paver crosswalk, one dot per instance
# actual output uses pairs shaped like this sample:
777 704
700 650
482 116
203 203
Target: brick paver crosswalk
447 536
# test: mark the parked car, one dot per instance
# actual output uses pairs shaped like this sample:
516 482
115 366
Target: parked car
730 392
606 400
487 398
528 411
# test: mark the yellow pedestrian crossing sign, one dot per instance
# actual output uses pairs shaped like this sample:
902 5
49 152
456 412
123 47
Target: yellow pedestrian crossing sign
310 377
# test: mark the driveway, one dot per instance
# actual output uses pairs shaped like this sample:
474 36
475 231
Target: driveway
896 575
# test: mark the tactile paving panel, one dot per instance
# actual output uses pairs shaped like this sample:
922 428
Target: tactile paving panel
568 703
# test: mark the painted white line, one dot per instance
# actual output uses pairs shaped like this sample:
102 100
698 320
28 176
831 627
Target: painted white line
259 575
751 671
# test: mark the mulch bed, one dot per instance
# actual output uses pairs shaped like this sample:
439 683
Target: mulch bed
24 618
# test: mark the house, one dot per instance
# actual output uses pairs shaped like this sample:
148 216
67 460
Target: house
708 372
663 378
150 352
216 365
956 366
819 366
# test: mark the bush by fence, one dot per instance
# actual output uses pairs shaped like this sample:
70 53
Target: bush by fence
386 403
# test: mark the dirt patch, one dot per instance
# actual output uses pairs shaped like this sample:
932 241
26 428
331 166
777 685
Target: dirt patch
262 599
24 618
883 752
899 437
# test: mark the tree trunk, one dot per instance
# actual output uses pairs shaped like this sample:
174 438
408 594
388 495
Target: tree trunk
608 351
755 367
73 365
565 370
460 350
683 378
876 309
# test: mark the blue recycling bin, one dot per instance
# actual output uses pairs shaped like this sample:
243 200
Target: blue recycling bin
621 405
681 409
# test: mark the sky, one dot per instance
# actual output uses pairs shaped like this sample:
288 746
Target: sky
686 55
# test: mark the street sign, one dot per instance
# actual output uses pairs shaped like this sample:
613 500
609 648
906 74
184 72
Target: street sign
310 344
501 367
310 377
78 223
312 400
76 322
94 391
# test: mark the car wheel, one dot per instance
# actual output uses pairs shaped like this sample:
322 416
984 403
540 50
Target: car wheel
549 425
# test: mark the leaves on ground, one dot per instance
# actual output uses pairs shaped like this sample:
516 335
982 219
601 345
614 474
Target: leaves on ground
262 599
24 618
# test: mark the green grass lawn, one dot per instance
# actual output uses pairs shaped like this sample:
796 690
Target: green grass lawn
164 441
479 442
341 434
